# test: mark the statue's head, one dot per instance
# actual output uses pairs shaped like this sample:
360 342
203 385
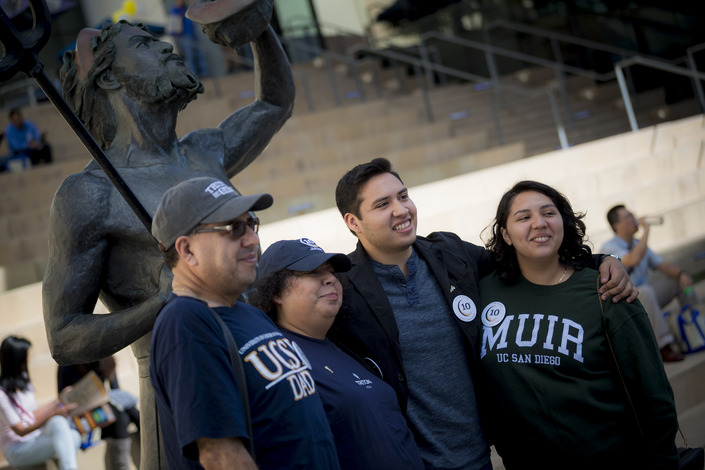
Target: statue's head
122 58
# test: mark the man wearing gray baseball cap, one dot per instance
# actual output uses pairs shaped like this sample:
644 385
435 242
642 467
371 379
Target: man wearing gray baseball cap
210 240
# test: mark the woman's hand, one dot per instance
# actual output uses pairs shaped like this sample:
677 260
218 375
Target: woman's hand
53 408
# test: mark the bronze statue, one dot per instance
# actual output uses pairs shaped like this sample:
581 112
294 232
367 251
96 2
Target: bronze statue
128 87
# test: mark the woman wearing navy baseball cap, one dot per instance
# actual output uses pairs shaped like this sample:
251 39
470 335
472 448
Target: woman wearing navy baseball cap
298 289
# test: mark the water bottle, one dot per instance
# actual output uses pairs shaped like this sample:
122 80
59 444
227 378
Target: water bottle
654 220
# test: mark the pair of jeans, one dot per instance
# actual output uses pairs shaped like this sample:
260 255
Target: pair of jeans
56 440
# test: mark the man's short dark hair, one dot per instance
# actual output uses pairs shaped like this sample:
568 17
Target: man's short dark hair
613 215
14 111
347 193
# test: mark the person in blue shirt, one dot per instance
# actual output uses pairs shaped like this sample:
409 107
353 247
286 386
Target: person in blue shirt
639 259
23 137
298 289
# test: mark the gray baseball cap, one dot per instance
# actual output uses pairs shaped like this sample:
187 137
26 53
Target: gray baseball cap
199 201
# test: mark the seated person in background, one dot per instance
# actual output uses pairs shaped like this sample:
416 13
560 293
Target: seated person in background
639 259
23 137
124 405
298 289
553 398
30 435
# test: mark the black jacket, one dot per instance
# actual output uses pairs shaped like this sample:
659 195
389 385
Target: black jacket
366 322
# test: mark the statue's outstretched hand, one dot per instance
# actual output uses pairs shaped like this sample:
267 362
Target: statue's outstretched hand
231 23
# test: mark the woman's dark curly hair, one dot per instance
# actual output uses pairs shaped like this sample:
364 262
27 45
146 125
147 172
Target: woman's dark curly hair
264 290
573 251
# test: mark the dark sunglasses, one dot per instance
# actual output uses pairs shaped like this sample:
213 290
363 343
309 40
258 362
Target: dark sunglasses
236 229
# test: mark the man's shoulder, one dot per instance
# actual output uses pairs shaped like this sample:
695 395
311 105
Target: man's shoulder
176 306
182 317
439 238
197 311
448 242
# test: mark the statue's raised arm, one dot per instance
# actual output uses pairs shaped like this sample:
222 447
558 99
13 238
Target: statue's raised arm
233 23
274 100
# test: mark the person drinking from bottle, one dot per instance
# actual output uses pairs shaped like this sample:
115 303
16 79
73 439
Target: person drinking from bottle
639 259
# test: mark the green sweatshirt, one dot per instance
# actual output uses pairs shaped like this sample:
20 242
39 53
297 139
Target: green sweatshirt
552 396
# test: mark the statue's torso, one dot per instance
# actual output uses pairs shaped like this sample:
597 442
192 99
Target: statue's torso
133 261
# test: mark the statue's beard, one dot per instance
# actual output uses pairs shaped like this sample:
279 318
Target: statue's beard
174 84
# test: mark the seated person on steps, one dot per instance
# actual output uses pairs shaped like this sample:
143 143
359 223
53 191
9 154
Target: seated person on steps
31 435
24 137
638 258
124 405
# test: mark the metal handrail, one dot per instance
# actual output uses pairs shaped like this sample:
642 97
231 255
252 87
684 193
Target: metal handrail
562 69
307 24
562 37
690 59
490 51
647 62
425 65
326 24
328 57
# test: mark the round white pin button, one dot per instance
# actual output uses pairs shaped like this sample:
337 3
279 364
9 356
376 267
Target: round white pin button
493 314
464 308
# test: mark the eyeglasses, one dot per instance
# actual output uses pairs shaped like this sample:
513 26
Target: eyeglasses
236 230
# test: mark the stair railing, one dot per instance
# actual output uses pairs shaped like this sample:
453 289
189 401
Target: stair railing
692 65
654 64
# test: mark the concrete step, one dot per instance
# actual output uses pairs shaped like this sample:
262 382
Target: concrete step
20 307
40 175
268 167
691 423
20 274
687 378
341 132
285 187
19 250
324 199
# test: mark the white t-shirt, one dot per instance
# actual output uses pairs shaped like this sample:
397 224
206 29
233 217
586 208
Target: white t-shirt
11 414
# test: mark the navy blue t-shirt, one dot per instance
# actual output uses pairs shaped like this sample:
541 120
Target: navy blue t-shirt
197 396
369 430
